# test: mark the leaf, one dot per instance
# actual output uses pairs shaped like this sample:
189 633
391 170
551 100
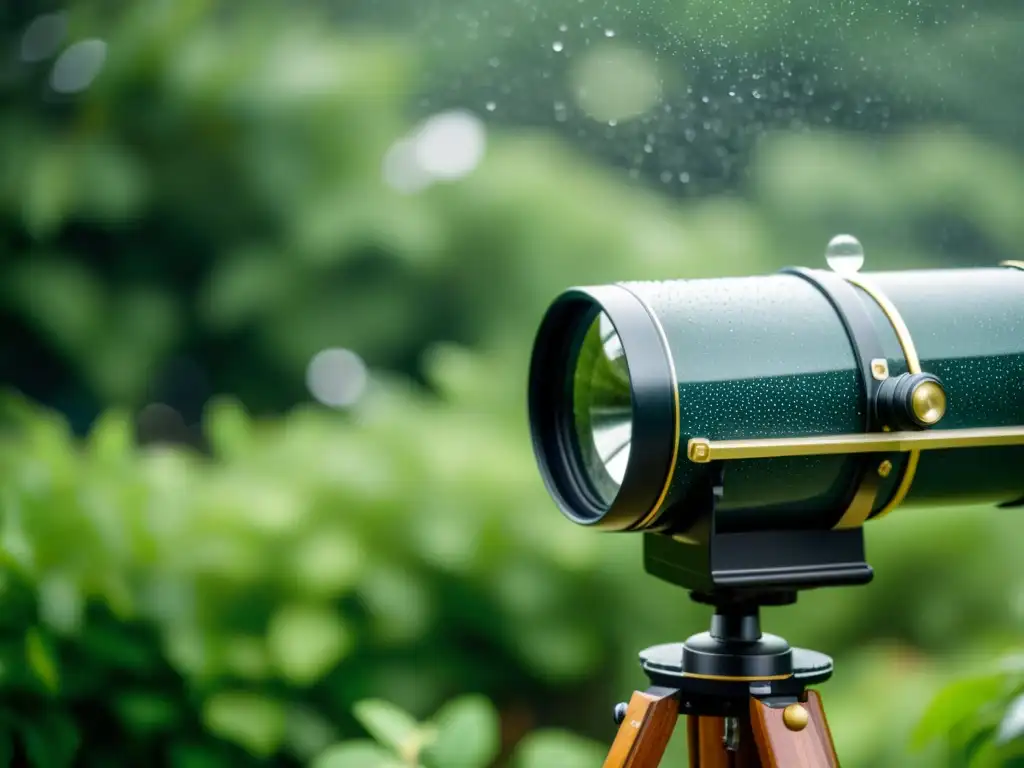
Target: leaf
147 713
111 439
468 735
227 427
305 642
547 748
956 703
51 740
1012 725
389 725
356 754
248 719
41 660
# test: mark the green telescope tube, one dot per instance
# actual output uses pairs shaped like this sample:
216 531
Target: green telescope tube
826 399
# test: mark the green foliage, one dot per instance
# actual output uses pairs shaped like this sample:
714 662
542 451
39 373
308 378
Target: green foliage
979 719
465 733
216 195
241 606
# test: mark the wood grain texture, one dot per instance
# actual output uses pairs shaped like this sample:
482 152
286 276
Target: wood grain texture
645 731
780 747
707 744
693 739
712 743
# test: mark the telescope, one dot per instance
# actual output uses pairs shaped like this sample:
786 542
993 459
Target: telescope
748 428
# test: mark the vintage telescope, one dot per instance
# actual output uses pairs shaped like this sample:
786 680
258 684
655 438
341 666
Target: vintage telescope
749 427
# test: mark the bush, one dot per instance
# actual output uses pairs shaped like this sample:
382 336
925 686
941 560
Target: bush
158 602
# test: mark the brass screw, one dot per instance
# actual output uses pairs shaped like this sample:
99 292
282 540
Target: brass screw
795 717
880 369
885 468
699 451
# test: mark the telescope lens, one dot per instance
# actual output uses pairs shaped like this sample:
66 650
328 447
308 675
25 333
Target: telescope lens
602 409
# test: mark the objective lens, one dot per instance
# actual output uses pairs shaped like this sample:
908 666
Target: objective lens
602 408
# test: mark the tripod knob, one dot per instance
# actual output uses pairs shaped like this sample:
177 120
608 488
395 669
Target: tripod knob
620 712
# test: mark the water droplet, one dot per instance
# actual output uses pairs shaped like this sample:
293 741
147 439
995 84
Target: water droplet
563 27
845 254
491 106
557 46
561 111
684 177
609 33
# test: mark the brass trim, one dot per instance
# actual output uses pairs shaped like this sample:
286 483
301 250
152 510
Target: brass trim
736 679
703 451
913 459
862 504
1012 264
913 366
653 513
894 317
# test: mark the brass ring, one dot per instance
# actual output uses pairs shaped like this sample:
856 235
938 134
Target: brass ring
906 342
653 514
1013 264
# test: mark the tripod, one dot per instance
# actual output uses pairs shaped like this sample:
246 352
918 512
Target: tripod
744 694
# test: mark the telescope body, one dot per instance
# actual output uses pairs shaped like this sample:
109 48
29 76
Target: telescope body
771 381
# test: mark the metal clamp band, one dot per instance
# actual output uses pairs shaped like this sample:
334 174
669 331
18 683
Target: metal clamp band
868 352
906 342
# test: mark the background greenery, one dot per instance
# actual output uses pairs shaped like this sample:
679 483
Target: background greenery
230 579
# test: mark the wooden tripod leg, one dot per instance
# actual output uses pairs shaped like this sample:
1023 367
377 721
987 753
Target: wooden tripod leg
783 743
707 744
645 731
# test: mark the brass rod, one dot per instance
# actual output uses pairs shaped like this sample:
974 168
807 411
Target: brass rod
703 451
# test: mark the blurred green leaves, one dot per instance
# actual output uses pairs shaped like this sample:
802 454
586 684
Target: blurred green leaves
464 733
217 194
977 719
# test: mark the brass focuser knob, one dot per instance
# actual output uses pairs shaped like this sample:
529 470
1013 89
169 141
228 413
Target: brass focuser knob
911 401
928 402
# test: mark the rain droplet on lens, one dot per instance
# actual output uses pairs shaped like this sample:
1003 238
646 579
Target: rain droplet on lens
491 106
557 46
844 254
609 33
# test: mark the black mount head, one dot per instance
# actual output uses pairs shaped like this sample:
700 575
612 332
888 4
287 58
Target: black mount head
723 565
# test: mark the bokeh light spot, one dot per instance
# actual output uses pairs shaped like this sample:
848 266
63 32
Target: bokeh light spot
337 377
77 68
43 36
613 82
